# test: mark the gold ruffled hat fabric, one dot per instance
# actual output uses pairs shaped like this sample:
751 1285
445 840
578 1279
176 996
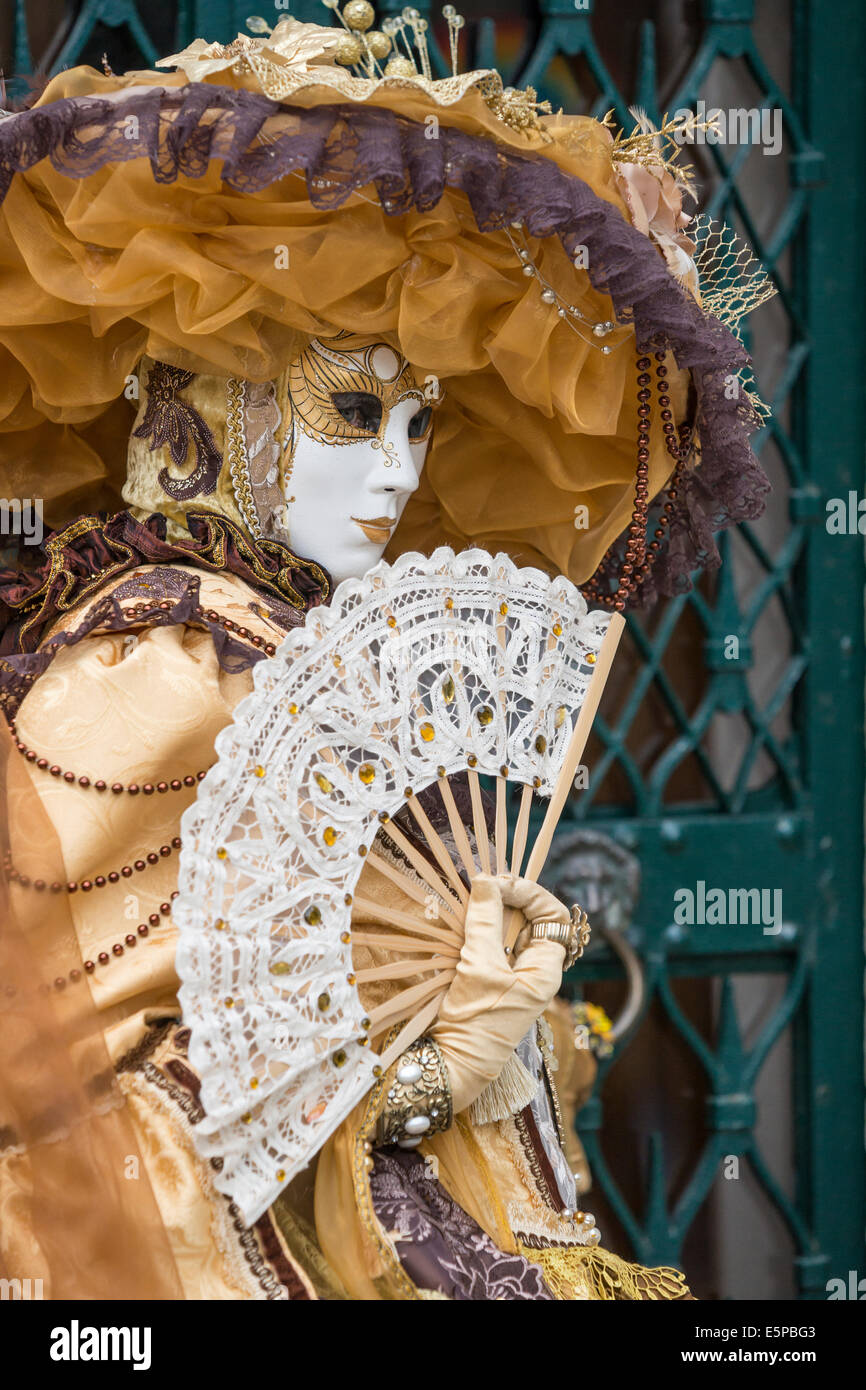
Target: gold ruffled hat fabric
534 449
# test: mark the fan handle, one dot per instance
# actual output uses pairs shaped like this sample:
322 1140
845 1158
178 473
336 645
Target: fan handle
588 710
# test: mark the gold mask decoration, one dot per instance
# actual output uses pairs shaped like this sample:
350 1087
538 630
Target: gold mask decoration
346 366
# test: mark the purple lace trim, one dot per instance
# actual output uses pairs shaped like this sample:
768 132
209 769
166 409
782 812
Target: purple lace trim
18 672
93 551
342 148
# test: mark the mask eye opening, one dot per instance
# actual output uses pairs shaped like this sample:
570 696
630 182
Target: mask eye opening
419 425
359 409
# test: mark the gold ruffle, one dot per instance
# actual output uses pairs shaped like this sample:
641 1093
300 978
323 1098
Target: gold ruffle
590 1273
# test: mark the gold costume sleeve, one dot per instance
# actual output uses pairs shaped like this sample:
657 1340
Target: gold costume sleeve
101 1192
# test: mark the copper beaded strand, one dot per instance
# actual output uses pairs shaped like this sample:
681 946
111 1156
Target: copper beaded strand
99 784
176 784
98 881
118 949
639 556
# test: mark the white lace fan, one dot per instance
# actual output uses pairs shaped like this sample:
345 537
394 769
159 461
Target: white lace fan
419 670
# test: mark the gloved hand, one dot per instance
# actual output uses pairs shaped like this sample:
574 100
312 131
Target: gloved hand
491 1003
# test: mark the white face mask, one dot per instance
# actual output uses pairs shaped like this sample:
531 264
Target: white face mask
361 427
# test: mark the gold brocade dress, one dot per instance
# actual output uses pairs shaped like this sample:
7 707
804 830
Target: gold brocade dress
483 1210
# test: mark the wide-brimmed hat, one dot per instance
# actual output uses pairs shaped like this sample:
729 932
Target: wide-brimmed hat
217 218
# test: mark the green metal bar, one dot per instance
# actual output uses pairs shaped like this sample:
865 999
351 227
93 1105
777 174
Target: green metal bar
23 60
762 1047
114 13
830 709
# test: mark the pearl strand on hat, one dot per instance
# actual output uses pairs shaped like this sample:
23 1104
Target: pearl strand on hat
569 313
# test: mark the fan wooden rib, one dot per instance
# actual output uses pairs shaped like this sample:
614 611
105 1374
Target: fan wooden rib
402 1005
406 943
458 829
479 822
405 921
416 893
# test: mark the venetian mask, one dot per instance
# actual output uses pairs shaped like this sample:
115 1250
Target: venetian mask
322 460
353 448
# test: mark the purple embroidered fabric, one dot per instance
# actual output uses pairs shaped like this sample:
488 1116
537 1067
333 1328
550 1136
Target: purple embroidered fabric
168 419
439 1246
343 147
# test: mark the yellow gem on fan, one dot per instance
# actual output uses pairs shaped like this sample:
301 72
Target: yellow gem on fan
448 690
503 609
222 853
293 709
340 1058
329 835
324 1002
541 744
323 783
449 603
427 732
560 716
280 967
260 771
366 772
557 629
485 715
313 916
392 622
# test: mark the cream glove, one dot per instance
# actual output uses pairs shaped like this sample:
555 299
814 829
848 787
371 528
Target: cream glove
491 1002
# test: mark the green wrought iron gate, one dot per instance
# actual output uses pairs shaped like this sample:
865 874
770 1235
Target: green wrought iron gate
731 753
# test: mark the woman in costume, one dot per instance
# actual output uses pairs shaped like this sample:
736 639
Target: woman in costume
295 318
